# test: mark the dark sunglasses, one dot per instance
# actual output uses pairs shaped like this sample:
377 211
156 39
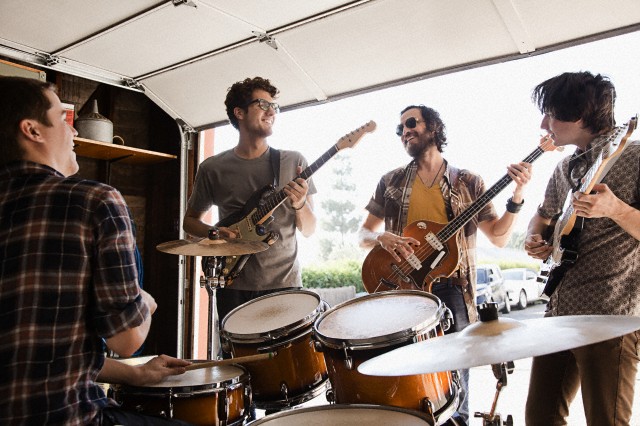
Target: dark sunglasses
411 123
265 104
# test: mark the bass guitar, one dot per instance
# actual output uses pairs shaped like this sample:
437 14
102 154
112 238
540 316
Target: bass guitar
437 255
566 231
251 222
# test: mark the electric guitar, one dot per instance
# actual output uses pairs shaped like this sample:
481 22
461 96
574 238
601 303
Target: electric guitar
437 255
566 231
251 222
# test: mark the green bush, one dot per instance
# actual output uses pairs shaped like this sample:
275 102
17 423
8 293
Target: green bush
334 274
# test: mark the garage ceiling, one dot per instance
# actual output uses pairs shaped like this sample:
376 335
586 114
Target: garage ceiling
184 54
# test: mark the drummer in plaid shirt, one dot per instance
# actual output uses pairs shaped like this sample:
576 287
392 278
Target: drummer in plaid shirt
67 273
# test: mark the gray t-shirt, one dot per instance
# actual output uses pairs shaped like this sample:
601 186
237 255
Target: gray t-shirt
228 182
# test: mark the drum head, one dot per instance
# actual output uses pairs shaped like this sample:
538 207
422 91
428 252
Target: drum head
345 415
219 375
199 379
275 312
379 316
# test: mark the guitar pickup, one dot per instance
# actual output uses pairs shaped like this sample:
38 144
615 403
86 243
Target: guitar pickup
434 242
388 284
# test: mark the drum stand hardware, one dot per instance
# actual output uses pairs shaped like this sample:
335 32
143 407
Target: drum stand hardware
211 281
492 418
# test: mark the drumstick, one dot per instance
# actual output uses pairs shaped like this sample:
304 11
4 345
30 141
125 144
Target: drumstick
238 360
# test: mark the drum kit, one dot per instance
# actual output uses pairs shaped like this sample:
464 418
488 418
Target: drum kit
380 359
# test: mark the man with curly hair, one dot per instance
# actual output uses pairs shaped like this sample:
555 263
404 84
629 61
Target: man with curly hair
229 179
430 189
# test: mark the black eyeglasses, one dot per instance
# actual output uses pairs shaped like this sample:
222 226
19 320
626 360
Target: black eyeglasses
411 123
265 104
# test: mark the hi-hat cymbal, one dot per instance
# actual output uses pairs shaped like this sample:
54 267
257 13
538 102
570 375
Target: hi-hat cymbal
501 340
207 247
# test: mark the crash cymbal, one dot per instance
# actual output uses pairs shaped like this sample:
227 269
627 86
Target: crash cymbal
207 247
501 340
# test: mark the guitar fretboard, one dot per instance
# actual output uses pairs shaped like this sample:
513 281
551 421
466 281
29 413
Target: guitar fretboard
456 224
275 199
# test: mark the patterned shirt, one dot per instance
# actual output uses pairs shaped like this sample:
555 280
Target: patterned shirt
605 279
67 278
391 203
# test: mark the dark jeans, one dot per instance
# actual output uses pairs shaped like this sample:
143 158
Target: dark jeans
451 295
112 416
605 371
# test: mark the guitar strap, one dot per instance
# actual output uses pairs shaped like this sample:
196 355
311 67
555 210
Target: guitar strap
274 155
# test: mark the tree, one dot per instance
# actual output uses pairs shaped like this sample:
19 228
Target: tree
340 220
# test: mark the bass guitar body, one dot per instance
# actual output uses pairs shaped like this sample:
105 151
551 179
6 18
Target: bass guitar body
381 272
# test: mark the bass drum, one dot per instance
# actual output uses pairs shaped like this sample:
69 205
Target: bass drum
213 396
345 415
363 328
281 323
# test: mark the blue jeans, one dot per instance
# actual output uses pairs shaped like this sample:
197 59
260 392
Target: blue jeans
452 296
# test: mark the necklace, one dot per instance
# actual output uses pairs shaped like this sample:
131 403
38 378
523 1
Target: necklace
435 177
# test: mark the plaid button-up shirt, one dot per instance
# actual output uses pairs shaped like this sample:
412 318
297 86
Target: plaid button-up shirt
390 202
67 279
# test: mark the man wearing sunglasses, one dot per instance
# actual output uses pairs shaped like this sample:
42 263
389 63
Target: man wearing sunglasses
230 178
430 189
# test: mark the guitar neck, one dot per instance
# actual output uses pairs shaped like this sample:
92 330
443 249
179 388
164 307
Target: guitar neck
274 200
458 222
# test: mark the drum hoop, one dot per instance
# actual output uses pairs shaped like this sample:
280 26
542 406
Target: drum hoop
272 335
332 407
375 342
189 390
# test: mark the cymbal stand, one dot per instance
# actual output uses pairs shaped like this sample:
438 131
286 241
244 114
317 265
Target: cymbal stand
211 281
492 418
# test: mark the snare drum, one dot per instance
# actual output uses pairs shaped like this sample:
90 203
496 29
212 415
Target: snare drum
345 415
211 396
360 329
282 323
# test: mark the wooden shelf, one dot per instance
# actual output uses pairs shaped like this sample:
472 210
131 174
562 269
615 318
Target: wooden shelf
118 153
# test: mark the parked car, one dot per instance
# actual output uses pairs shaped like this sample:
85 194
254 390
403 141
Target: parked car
491 287
522 286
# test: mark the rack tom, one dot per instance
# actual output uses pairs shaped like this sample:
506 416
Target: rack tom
282 323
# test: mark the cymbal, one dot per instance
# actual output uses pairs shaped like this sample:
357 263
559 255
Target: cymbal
497 341
207 247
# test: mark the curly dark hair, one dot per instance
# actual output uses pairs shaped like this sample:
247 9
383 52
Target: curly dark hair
433 122
572 96
20 98
240 94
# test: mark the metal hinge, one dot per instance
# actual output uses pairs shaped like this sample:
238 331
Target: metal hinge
266 38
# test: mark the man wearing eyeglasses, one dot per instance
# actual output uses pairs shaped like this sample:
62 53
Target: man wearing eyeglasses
430 189
229 179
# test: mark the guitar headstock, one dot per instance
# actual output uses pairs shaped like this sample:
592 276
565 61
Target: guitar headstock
351 139
546 144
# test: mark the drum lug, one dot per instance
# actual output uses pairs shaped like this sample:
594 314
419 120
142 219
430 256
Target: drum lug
447 320
427 407
348 361
284 390
331 396
223 406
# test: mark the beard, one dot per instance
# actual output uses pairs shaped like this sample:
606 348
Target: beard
416 149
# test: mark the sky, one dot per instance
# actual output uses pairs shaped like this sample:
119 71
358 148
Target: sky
490 120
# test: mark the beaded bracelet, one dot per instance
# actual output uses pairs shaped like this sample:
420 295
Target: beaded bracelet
513 207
